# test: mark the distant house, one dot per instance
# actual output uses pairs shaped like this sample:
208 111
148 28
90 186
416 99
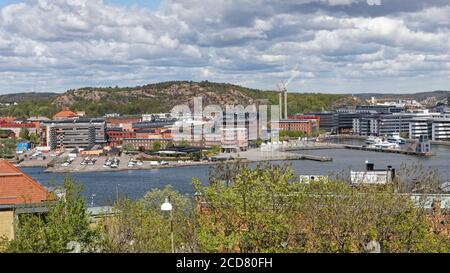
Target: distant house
372 176
65 114
19 194
7 134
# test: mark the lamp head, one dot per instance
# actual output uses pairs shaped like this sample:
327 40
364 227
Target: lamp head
166 206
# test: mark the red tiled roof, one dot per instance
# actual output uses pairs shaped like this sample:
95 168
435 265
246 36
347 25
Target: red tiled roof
7 119
19 125
65 113
18 188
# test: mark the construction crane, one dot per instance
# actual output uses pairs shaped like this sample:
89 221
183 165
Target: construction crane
283 90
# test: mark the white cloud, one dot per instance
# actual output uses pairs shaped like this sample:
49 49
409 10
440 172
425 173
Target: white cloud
70 43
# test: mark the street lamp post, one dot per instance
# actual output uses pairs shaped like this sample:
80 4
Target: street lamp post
117 193
92 199
167 206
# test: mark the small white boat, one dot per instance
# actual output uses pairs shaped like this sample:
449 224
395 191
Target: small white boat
370 140
395 138
386 145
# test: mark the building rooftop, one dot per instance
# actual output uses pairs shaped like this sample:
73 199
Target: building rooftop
79 120
65 113
18 188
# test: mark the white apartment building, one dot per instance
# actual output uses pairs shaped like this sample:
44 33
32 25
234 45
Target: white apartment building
420 126
441 129
234 139
437 128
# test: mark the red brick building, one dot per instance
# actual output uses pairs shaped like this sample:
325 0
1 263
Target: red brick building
116 136
309 127
313 118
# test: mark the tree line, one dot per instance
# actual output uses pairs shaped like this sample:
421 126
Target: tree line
264 209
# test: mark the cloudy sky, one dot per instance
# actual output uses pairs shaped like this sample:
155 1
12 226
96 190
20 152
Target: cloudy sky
351 46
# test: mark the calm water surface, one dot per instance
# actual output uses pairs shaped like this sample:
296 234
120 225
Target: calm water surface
135 184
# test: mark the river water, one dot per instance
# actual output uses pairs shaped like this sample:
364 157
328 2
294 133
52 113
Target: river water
135 184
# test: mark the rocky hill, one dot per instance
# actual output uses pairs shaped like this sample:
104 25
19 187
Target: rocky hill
162 97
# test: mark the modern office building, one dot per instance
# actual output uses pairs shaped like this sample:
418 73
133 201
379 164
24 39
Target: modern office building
345 121
76 133
420 127
382 125
441 129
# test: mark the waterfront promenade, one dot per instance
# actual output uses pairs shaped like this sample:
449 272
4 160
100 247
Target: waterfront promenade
286 151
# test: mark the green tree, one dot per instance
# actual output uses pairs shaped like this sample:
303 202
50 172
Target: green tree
24 133
34 138
128 147
7 148
156 146
248 214
141 226
66 222
267 210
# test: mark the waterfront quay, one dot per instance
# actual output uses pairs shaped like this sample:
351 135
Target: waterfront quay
327 145
395 151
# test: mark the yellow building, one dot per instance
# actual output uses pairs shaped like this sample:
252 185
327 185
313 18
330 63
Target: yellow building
19 193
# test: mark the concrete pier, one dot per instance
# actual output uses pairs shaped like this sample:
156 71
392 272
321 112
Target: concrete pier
393 151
